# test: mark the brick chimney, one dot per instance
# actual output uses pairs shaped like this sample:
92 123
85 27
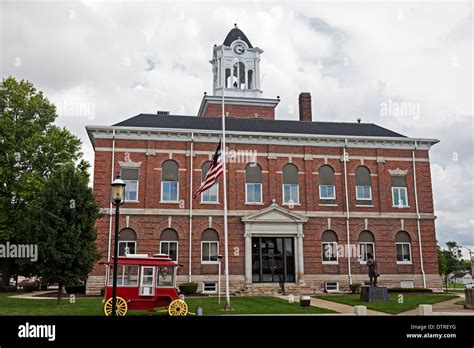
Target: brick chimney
305 107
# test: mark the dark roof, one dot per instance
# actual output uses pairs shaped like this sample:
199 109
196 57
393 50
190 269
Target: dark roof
236 34
258 125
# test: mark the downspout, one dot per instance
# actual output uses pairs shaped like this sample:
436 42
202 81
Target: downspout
191 208
418 215
348 251
110 206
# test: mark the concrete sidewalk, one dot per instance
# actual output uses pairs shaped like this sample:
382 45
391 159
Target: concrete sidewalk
337 307
446 308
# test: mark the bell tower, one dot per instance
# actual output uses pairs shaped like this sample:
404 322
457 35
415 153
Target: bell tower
236 64
236 73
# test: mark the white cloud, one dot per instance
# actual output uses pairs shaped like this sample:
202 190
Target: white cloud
127 58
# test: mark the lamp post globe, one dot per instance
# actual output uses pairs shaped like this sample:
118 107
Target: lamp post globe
118 193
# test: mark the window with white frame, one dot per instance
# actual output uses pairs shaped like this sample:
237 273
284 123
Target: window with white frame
209 246
130 178
169 181
127 242
329 247
363 185
327 189
253 183
366 246
127 275
403 244
331 286
290 184
169 243
147 287
399 191
211 195
209 288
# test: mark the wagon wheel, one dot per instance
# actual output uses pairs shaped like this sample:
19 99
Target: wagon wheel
121 307
177 308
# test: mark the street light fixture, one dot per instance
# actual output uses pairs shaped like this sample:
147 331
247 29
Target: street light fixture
118 193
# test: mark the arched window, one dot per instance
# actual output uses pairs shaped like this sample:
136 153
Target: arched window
211 195
399 191
403 243
239 74
169 181
329 247
253 183
366 245
363 185
290 184
169 243
130 178
209 246
127 242
327 189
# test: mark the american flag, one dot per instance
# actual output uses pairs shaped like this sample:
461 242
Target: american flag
213 173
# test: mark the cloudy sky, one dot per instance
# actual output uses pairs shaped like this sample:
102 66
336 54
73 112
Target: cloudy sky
102 62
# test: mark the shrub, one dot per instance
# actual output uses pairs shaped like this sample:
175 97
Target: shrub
354 288
188 288
30 287
102 291
409 290
75 289
7 288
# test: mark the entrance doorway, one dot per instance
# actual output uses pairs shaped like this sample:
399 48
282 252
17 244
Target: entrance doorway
273 260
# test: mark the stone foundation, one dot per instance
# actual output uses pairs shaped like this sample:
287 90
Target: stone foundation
312 283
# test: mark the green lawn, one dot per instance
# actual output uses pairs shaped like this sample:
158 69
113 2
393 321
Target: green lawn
461 303
410 301
93 306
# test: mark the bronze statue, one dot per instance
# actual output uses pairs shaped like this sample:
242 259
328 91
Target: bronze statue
373 270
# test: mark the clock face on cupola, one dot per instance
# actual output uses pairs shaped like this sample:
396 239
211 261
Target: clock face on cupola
236 66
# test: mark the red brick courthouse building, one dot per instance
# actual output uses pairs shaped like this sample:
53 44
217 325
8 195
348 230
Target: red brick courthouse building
301 194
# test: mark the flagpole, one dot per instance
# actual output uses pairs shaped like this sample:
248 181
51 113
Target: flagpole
223 152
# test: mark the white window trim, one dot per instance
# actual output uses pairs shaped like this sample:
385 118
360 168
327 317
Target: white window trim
393 197
365 199
337 287
208 291
373 248
209 262
177 247
211 202
128 241
261 193
177 193
297 194
110 274
322 255
142 268
132 200
334 190
409 251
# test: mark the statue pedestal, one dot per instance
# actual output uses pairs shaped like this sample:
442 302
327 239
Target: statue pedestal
374 294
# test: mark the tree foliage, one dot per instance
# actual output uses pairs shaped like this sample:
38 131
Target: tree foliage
62 224
31 148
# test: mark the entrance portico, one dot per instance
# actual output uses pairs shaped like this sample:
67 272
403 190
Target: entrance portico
274 246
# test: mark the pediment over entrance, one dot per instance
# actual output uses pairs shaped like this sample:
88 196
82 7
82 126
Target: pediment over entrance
274 213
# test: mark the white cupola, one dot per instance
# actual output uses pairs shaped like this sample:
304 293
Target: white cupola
236 62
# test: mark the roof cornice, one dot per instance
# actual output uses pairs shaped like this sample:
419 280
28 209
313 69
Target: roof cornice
204 135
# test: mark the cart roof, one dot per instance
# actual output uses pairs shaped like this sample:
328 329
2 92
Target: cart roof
158 260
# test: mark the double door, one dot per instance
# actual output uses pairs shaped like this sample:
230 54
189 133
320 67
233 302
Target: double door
273 260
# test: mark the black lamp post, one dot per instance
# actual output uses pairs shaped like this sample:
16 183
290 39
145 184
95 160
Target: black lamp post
118 193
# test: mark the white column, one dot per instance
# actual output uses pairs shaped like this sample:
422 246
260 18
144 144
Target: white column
248 258
299 248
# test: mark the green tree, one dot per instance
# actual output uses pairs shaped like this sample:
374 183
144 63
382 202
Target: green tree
442 264
31 147
453 256
62 225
